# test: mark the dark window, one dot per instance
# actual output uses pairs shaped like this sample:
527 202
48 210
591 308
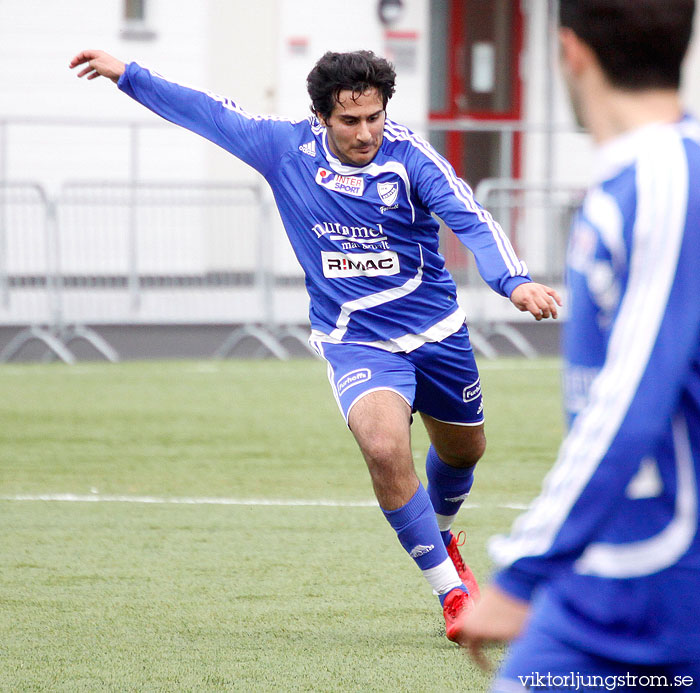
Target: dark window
135 9
135 27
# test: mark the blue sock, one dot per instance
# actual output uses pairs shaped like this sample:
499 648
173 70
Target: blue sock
417 530
448 488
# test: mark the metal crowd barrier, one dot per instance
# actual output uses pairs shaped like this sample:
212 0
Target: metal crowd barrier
111 253
106 253
28 269
536 217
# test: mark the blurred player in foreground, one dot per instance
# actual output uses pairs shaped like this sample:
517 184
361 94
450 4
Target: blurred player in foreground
602 575
355 192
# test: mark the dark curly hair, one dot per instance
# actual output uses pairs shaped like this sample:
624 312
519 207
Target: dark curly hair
640 44
357 72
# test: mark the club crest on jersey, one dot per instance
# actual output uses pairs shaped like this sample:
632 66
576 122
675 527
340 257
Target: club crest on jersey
349 185
388 192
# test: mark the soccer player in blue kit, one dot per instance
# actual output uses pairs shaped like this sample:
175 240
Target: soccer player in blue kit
601 576
355 191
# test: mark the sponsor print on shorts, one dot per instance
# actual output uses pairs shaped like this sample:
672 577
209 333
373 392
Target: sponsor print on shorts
350 185
359 264
361 375
472 392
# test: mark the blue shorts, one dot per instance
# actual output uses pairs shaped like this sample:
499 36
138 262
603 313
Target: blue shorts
439 379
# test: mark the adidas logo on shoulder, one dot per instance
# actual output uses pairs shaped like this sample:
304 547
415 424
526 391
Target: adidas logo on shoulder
309 148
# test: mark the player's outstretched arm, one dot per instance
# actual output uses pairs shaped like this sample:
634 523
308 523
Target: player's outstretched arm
99 64
538 299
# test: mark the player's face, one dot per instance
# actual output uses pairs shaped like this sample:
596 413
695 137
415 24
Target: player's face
356 126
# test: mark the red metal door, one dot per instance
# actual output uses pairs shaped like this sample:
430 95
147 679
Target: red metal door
475 75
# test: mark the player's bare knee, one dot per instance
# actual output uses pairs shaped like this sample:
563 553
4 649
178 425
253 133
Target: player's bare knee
467 454
386 456
381 452
474 453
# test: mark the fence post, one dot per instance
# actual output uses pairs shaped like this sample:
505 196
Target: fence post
506 153
54 283
266 262
4 279
133 270
4 283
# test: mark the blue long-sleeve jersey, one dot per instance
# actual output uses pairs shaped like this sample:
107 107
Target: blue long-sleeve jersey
611 546
364 236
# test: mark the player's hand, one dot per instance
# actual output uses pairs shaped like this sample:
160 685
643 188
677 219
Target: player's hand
496 618
538 299
99 64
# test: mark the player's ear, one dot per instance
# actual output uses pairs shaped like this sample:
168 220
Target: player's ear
574 53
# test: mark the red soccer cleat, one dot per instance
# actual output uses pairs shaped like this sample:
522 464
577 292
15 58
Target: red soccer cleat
463 570
455 609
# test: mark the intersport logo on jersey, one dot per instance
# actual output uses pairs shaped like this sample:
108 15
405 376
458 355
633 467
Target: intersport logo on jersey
359 264
350 185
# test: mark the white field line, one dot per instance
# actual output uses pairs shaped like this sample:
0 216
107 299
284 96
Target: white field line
207 368
204 500
524 365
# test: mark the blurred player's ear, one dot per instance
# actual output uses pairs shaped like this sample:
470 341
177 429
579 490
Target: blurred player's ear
575 55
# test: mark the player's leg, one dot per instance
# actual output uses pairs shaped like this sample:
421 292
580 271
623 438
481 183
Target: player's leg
450 463
380 422
448 395
374 390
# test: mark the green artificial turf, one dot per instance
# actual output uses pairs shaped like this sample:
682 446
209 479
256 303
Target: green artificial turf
199 596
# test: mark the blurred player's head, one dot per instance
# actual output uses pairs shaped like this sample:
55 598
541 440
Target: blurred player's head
639 44
349 93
